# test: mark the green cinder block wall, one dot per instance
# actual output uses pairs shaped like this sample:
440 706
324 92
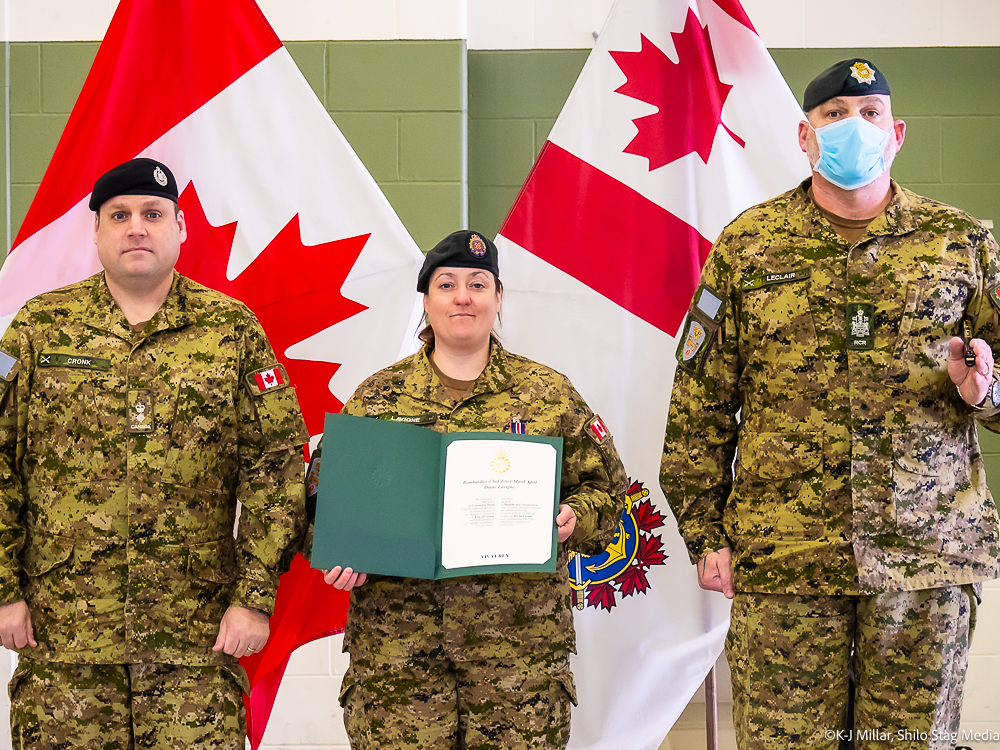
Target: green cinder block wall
423 115
401 105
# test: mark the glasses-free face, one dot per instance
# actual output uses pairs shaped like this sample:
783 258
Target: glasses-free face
461 305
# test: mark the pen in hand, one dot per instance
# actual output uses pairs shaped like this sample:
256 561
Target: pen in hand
970 353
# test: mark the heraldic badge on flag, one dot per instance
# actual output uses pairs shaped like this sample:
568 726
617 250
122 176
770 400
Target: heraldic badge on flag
621 567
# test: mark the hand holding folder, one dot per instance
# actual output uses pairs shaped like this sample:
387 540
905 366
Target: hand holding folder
401 500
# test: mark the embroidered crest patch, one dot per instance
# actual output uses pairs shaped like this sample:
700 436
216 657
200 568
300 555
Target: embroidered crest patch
140 410
476 246
860 326
693 340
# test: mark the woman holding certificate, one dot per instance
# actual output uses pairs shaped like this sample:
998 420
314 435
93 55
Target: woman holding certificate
477 661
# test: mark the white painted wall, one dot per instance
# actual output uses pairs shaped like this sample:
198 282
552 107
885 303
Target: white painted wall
306 715
555 24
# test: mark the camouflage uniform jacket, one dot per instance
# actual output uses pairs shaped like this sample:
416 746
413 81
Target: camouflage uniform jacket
825 363
122 458
501 615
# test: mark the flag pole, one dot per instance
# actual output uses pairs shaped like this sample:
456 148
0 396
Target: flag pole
711 711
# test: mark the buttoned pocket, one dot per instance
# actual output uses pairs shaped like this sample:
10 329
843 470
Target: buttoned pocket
779 485
778 340
203 447
933 498
67 442
72 591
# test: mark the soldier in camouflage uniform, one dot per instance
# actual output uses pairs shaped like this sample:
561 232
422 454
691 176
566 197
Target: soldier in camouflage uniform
478 662
137 408
855 526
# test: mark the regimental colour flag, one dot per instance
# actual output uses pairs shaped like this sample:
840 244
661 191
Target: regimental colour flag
679 121
281 214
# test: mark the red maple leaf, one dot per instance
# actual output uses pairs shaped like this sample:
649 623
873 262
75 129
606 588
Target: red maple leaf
601 596
650 551
646 516
632 581
294 290
688 95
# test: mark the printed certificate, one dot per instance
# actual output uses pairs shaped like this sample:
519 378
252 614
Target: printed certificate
498 498
399 499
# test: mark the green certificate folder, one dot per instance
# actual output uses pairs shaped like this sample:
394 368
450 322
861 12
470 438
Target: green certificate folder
390 504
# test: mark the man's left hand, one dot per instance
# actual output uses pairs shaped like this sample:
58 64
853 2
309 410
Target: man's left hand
566 521
973 382
242 631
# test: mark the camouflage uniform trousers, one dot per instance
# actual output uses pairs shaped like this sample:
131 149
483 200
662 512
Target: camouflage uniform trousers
427 703
115 706
791 657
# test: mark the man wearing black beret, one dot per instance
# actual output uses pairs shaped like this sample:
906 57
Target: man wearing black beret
843 339
137 409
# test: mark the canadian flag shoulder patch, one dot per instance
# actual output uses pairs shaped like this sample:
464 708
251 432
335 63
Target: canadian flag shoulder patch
267 379
597 431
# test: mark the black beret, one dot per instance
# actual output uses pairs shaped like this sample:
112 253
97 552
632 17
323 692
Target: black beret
136 177
462 249
854 77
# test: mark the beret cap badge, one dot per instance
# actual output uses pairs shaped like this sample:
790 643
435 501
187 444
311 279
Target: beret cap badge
862 73
476 246
160 177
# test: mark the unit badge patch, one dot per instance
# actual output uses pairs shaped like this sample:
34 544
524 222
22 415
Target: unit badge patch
693 340
140 410
860 323
597 580
703 320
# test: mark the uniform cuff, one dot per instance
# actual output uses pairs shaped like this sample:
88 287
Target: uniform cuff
252 595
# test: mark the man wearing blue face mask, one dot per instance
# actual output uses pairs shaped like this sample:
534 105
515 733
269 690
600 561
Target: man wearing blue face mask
842 339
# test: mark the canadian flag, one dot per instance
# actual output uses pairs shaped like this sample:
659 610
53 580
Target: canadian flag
281 214
679 121
268 379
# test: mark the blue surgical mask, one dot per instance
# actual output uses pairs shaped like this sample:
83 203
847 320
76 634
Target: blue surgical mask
851 152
